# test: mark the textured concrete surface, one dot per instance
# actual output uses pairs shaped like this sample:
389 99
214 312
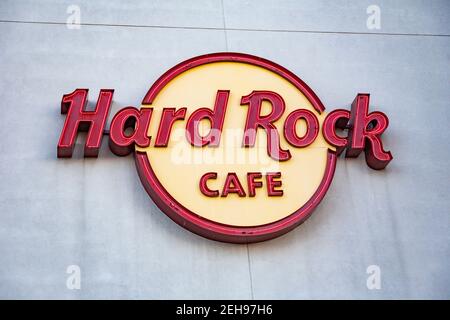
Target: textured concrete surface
94 212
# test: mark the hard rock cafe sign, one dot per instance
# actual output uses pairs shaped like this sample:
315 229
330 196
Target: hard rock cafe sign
231 146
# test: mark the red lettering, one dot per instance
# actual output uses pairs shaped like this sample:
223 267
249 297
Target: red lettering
312 128
365 130
272 184
216 118
78 119
255 120
168 118
336 119
232 185
204 187
129 117
252 184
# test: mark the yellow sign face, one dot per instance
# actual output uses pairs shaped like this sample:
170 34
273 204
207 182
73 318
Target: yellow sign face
178 166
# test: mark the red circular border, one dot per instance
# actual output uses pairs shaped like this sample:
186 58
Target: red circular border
214 230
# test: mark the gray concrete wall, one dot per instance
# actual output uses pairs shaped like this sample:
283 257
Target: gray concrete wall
94 213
